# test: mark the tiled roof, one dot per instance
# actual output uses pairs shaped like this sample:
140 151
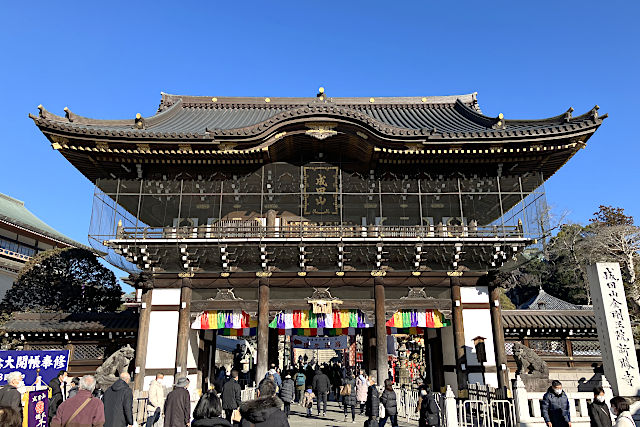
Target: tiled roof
545 301
200 118
14 212
549 319
75 322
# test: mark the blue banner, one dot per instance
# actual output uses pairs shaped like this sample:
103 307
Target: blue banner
38 409
27 362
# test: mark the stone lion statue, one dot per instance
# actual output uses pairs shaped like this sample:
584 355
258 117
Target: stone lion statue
529 363
113 366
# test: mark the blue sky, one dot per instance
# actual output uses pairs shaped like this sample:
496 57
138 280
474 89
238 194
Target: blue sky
525 60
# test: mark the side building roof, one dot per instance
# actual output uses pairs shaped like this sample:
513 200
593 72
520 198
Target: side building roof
14 213
125 321
545 301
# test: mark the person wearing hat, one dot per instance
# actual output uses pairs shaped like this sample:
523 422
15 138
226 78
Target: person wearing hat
177 406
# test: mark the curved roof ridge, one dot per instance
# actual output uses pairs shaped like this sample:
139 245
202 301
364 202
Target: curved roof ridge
470 98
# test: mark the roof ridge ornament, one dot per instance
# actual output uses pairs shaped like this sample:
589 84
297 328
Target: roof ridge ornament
321 130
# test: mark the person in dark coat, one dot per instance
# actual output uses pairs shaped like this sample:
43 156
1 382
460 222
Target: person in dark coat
177 406
287 393
428 408
349 400
555 406
57 391
321 386
599 414
75 383
208 411
390 404
372 407
118 403
265 410
9 395
231 395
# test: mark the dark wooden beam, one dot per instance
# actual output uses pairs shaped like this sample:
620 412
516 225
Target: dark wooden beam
184 319
381 331
458 334
263 328
143 339
391 306
498 337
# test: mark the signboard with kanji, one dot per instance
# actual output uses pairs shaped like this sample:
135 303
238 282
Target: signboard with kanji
37 409
320 190
27 362
614 328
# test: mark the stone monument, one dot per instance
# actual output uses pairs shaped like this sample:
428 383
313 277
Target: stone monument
614 328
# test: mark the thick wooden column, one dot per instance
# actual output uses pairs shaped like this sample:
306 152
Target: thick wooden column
143 339
381 332
498 337
458 334
263 329
204 351
182 347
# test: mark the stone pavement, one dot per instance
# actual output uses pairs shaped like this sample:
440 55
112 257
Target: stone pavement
335 417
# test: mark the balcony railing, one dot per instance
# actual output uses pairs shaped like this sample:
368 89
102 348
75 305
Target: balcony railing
257 231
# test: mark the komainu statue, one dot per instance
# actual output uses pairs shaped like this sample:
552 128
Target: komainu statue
529 363
117 363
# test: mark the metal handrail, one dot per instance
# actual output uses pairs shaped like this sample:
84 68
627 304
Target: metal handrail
317 231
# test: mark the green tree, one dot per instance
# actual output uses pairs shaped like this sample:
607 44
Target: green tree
68 280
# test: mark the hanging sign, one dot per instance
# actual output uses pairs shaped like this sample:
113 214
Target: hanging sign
320 343
27 362
320 190
37 409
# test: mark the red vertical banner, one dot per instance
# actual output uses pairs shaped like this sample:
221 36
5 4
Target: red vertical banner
352 351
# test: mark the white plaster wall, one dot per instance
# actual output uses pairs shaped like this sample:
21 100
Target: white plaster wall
165 297
450 378
163 335
477 322
448 347
476 294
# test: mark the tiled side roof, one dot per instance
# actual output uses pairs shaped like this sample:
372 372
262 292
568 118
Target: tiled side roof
544 301
74 322
14 212
549 319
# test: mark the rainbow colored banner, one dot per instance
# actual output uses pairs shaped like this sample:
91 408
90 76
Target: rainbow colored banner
314 332
307 319
224 319
244 332
418 319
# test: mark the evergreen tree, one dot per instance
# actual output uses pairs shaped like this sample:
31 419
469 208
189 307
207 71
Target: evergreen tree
67 280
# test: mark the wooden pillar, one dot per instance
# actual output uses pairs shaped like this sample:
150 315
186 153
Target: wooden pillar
498 337
381 331
204 352
458 334
368 349
143 339
182 347
263 329
273 347
434 346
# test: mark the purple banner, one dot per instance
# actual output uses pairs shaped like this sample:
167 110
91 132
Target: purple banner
29 362
37 409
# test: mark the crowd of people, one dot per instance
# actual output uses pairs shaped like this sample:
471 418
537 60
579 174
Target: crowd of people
79 403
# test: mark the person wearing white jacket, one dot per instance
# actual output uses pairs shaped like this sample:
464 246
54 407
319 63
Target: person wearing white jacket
155 403
620 408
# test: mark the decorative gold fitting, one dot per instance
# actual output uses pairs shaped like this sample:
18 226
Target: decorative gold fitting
267 100
138 116
500 116
339 273
214 99
372 100
186 274
320 89
416 273
225 274
454 273
263 274
378 273
302 273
